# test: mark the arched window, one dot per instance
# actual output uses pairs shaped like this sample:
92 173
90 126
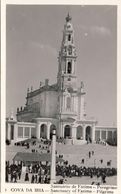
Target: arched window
43 131
69 67
68 103
67 131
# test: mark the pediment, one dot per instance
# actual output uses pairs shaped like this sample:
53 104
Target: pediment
69 119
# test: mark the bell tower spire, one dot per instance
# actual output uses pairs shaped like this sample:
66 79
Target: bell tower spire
67 58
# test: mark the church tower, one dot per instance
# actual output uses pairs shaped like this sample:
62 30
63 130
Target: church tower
67 59
67 79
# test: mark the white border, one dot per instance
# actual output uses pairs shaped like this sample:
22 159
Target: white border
3 71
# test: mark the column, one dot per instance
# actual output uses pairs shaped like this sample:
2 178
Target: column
112 135
106 134
48 131
38 131
93 133
100 134
9 132
73 132
62 129
64 102
73 103
66 66
30 132
84 132
59 128
23 132
15 131
53 157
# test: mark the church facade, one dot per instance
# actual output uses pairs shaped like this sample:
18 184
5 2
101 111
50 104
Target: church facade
61 105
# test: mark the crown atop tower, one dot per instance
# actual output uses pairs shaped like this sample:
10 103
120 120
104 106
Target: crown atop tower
68 18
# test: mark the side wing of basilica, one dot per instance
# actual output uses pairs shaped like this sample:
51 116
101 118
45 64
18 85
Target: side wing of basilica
61 105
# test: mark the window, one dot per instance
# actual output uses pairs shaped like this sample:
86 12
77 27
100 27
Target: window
20 132
68 103
109 134
103 135
70 50
26 132
33 132
69 67
69 37
42 129
97 135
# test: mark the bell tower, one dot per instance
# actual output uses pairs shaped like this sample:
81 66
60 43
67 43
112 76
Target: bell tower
67 78
67 59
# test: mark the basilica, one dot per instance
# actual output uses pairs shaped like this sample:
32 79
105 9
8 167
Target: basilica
60 106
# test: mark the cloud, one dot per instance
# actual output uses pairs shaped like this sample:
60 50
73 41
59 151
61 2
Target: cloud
44 47
95 30
100 30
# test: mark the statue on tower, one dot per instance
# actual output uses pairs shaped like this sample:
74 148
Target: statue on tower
12 114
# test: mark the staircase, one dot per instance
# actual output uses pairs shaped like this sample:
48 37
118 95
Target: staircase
79 142
74 142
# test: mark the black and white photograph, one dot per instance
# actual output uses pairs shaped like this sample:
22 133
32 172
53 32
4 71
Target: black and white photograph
61 94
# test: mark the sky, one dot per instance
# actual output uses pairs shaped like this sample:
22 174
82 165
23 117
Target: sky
33 40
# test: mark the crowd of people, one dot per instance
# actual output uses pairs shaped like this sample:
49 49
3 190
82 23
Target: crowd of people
13 172
75 171
36 173
39 173
102 142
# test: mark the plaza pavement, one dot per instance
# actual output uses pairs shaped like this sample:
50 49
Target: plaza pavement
74 154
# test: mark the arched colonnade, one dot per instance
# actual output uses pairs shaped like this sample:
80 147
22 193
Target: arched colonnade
81 133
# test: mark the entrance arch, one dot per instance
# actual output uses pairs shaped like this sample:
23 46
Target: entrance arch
51 130
79 132
67 131
88 136
43 131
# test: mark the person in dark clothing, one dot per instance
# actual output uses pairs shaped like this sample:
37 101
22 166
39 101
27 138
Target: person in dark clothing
101 161
15 176
39 180
26 177
103 178
35 178
46 180
92 153
6 177
82 161
32 180
89 154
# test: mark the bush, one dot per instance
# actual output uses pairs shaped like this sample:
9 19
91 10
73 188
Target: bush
8 142
112 142
33 137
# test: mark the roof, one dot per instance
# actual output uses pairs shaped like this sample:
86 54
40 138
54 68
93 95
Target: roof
53 87
35 157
